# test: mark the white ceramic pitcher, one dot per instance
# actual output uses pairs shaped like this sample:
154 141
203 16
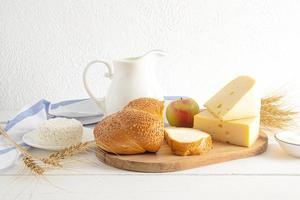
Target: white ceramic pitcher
132 78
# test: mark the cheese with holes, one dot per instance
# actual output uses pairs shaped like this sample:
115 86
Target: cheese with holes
243 132
237 100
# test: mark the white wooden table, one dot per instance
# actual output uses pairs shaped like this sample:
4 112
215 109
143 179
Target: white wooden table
272 175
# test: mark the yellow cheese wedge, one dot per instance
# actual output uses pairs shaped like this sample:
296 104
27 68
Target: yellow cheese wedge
243 132
237 100
187 141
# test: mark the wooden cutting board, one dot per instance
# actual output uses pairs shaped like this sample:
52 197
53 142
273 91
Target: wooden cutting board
165 161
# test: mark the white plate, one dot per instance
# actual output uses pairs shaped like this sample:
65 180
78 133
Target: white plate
89 120
30 139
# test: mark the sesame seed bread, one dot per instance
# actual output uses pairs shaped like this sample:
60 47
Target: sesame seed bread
136 129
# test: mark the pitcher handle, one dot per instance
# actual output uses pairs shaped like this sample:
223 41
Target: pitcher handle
100 102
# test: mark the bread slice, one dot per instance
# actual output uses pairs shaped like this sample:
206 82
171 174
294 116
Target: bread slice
187 141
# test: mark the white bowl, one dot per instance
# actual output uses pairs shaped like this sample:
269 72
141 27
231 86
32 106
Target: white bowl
289 142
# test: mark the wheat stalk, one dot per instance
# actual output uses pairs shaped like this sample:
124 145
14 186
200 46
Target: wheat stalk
275 115
29 160
19 147
55 158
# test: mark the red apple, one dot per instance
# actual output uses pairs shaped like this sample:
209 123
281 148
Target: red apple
181 112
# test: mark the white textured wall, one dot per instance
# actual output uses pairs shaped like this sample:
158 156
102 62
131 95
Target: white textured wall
44 44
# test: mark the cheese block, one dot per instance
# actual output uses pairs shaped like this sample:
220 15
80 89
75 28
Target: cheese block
243 132
187 141
237 100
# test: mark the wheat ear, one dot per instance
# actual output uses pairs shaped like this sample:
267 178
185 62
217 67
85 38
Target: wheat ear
55 158
30 163
275 115
29 160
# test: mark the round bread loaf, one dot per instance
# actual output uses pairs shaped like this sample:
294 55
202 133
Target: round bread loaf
60 132
130 131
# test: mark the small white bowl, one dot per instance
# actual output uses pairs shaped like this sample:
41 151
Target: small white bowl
289 142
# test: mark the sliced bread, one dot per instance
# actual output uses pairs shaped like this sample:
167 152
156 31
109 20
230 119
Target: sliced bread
187 141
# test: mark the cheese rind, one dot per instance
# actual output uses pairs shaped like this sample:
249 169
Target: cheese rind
243 132
237 100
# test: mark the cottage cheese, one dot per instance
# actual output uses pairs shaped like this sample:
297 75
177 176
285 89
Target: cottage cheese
60 132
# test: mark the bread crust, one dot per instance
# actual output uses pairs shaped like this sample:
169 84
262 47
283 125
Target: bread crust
130 131
149 105
198 147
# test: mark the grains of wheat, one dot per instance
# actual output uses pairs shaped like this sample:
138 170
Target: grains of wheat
275 115
271 99
55 158
31 164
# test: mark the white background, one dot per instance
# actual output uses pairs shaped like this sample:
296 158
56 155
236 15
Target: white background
44 45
